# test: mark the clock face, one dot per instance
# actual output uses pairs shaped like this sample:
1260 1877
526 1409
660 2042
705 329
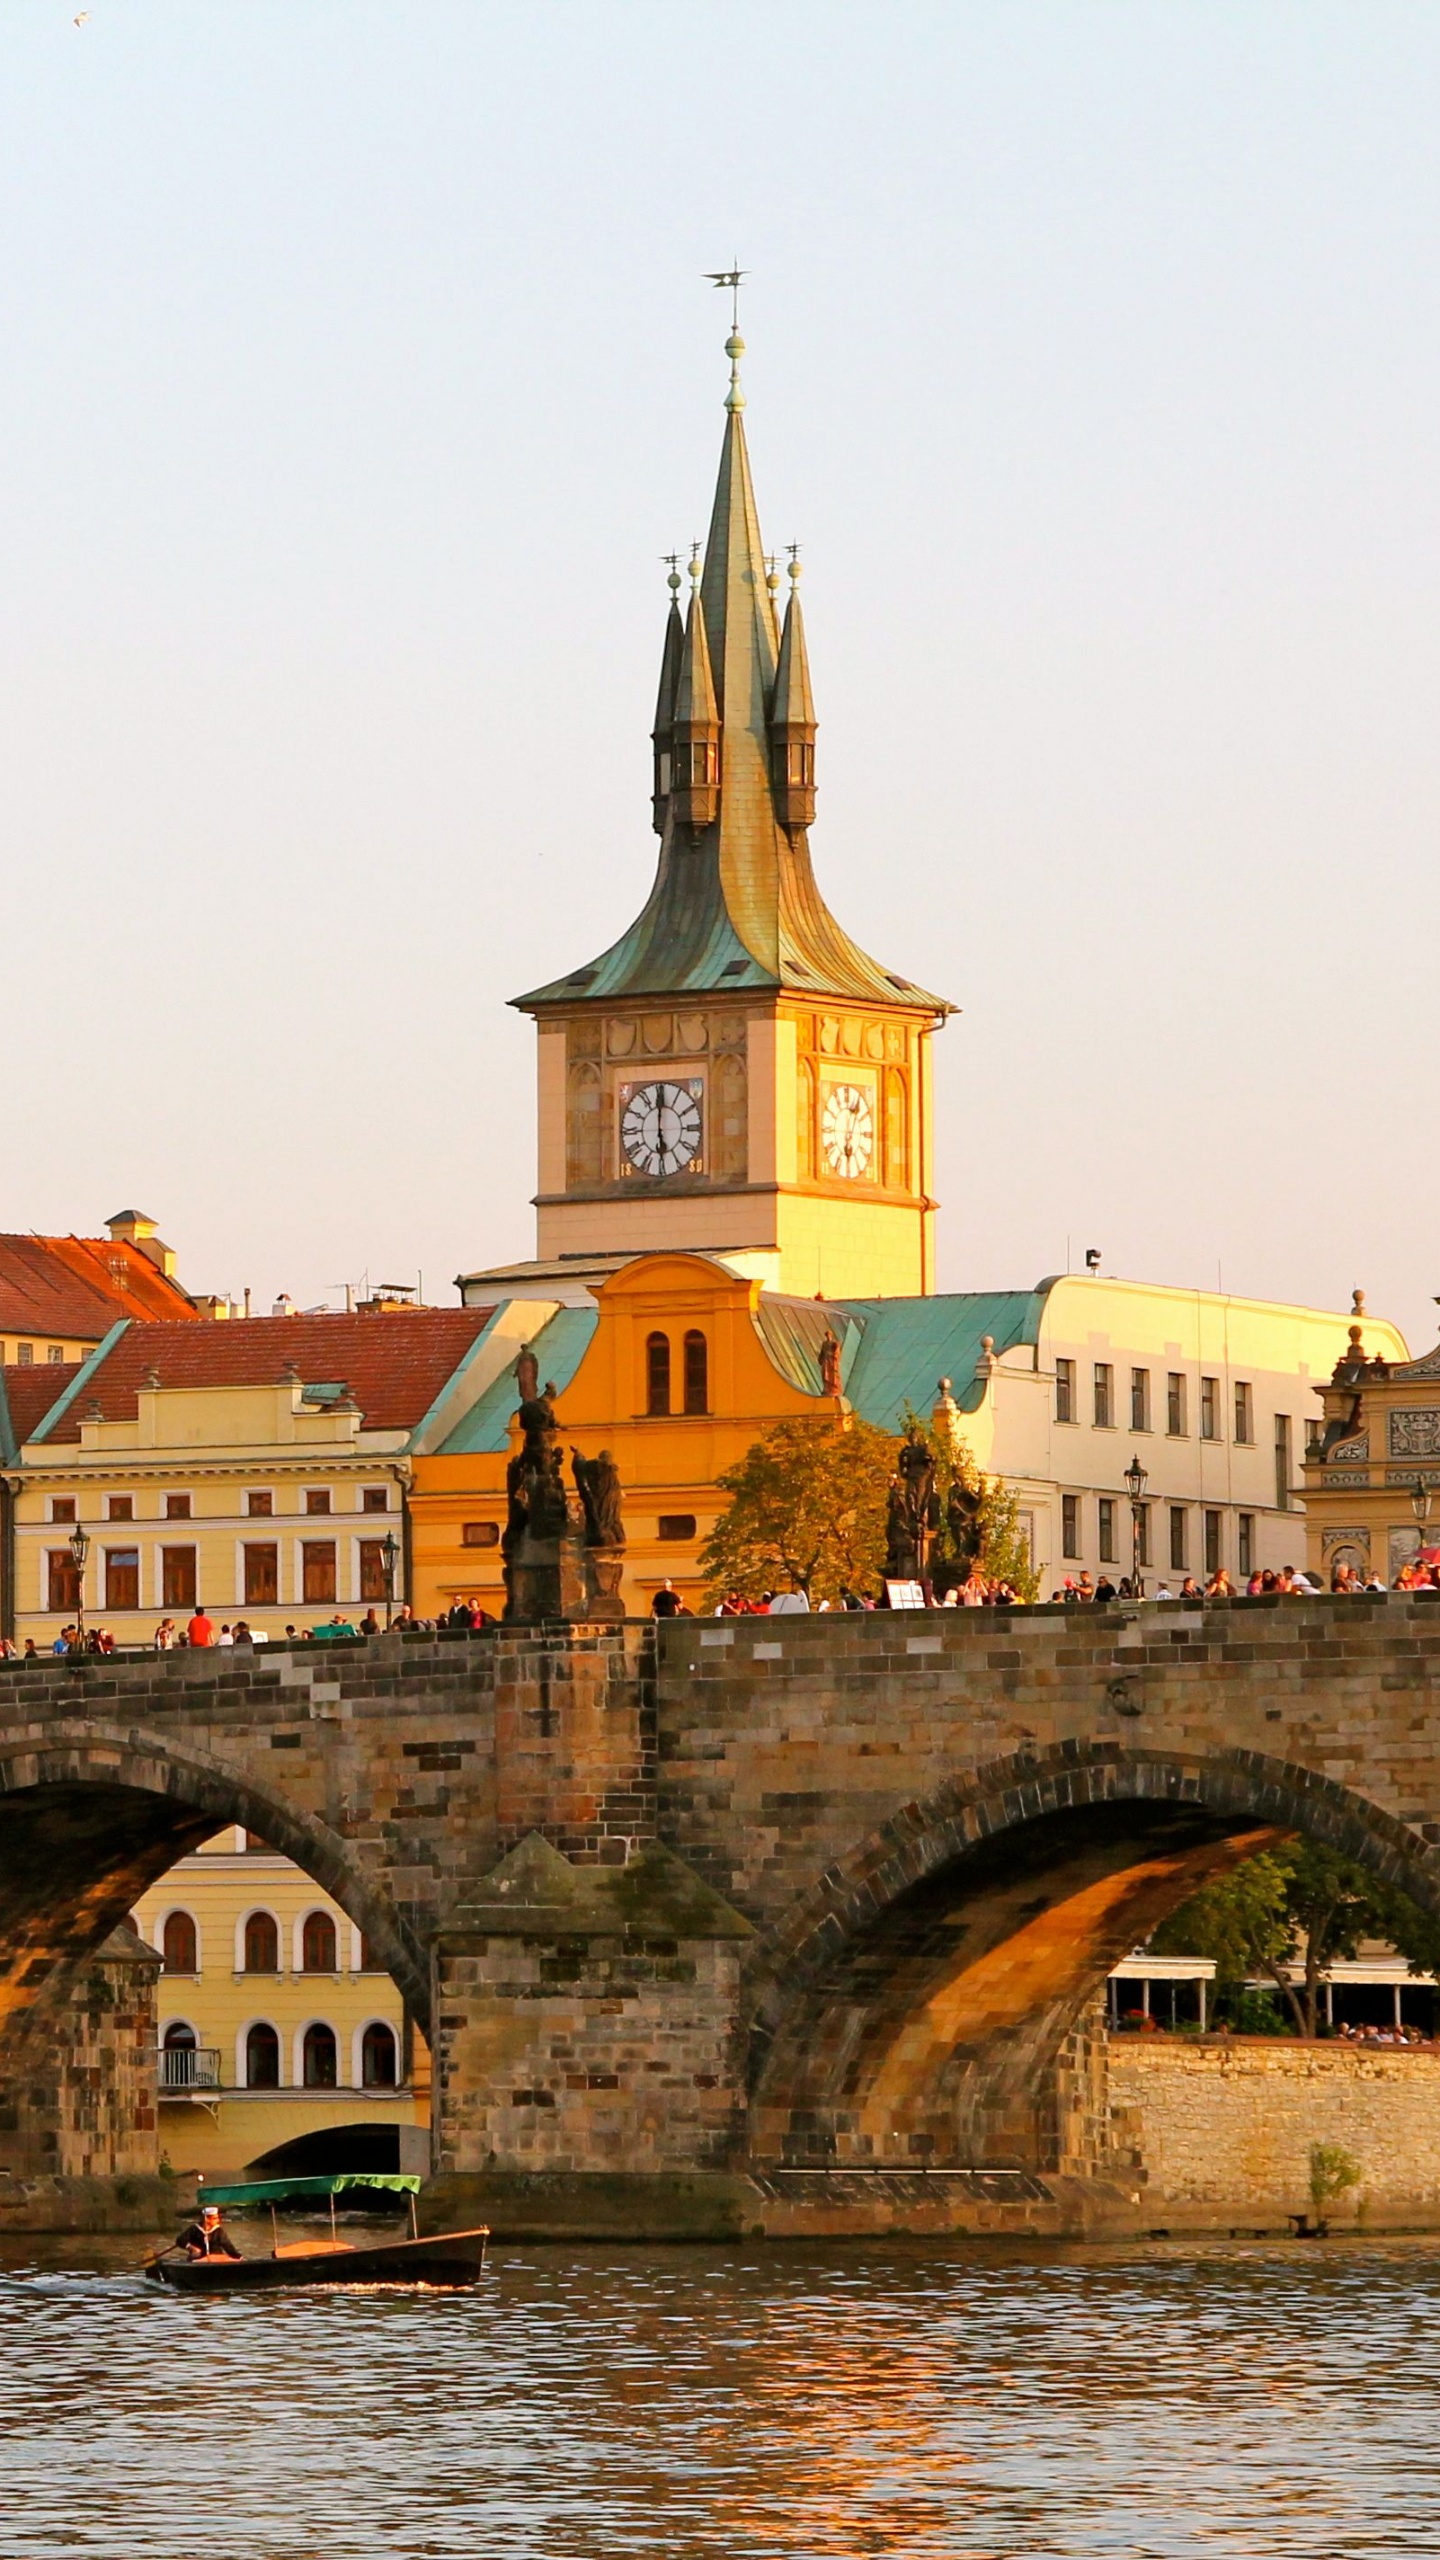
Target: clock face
847 1130
660 1126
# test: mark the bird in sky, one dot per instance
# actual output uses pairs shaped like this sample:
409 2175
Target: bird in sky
81 20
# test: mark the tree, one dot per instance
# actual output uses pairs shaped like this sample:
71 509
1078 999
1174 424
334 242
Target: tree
1004 1548
807 1505
1333 2171
1301 1905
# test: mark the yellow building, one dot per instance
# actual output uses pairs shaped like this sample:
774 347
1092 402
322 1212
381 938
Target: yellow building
735 1075
257 1467
282 2042
1372 1467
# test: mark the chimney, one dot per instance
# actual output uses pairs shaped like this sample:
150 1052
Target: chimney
132 1227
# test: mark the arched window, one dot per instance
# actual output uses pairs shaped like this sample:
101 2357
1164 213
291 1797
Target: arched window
319 2071
697 1374
262 1955
179 2038
657 1373
179 1944
317 1944
377 2056
262 2058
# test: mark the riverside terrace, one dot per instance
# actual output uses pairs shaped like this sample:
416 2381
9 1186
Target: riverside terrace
725 1911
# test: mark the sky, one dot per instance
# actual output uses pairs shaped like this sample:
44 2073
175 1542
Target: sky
360 368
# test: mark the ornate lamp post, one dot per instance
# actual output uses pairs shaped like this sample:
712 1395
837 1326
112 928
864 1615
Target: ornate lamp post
80 1550
390 1554
1420 1505
1136 1480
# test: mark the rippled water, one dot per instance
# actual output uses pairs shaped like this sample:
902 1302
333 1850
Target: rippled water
914 2400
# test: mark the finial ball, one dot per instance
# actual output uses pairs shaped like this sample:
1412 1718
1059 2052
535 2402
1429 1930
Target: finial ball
734 346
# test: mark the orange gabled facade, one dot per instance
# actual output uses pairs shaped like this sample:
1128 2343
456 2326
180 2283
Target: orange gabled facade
669 1330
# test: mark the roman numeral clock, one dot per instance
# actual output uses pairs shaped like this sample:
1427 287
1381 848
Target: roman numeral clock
661 1127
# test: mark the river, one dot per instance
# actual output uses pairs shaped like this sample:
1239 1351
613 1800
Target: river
1155 2402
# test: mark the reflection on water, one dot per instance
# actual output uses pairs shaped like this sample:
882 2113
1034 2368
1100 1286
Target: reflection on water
1250 2403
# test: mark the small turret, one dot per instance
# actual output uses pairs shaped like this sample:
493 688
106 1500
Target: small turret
792 720
663 733
695 756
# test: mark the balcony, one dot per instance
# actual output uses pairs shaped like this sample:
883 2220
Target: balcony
186 2070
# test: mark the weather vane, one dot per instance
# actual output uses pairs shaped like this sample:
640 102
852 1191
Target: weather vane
731 280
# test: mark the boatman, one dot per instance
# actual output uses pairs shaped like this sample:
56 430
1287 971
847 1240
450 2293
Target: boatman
207 2237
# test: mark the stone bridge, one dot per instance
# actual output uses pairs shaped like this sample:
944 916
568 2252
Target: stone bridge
737 1923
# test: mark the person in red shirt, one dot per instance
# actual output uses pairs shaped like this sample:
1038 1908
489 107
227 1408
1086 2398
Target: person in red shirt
201 1629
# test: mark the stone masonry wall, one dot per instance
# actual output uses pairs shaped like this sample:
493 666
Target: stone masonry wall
592 2054
83 2104
1217 2133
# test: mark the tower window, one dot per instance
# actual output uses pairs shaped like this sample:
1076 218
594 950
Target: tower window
657 1373
697 1374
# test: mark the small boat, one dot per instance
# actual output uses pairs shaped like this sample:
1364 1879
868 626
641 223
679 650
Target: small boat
448 2258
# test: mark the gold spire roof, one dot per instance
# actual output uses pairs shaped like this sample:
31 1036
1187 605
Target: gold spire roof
794 703
735 904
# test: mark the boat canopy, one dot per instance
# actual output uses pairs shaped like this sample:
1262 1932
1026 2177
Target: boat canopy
282 2190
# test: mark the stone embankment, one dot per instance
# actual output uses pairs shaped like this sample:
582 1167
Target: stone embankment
1214 2133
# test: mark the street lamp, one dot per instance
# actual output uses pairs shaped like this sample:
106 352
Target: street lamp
1420 1505
1136 1480
390 1553
79 1553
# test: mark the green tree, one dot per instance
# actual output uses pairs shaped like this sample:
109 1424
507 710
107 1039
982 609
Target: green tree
1300 1906
807 1505
1333 2171
1004 1548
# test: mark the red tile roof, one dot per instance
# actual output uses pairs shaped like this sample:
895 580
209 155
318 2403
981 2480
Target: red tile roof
28 1393
79 1285
394 1364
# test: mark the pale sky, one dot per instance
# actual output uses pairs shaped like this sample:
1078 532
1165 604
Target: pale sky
359 368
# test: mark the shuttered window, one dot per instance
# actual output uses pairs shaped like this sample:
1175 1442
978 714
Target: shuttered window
317 1567
177 1577
262 1575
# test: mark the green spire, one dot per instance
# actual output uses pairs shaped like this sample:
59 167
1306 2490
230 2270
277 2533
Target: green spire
735 903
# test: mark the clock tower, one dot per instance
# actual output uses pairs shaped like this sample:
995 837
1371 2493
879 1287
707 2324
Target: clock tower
734 1075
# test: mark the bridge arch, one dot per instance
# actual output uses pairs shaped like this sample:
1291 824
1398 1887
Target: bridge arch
90 1818
925 2002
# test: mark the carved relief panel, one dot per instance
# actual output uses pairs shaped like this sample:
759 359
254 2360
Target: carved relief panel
1415 1431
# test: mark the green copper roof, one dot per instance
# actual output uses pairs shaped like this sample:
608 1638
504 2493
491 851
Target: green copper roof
906 1345
559 1347
736 905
